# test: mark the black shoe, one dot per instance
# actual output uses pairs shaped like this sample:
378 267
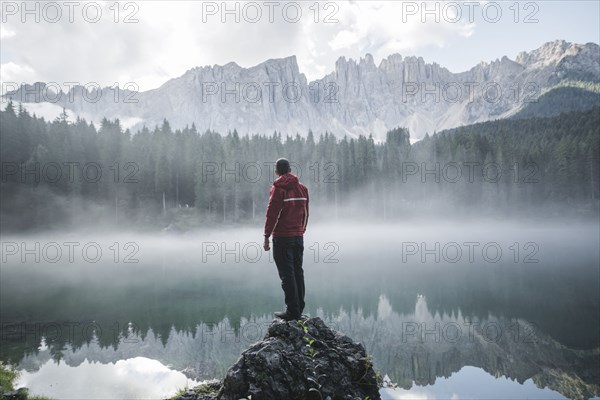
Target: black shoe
285 315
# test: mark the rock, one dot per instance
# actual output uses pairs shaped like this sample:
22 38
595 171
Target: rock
19 394
206 391
302 360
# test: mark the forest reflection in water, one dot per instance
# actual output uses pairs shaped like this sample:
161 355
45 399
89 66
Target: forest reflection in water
195 308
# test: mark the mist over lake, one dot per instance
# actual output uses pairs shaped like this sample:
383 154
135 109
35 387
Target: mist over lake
423 302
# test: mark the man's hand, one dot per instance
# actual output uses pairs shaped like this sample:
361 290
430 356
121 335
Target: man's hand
266 244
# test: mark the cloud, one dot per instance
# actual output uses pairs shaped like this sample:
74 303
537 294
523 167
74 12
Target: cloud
374 27
161 41
343 40
15 74
396 29
6 33
137 377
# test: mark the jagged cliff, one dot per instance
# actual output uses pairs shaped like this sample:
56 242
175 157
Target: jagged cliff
358 97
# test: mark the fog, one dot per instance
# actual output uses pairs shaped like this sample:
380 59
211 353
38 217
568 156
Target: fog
463 266
64 175
195 300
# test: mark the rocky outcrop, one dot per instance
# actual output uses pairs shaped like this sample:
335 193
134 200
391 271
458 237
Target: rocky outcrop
301 359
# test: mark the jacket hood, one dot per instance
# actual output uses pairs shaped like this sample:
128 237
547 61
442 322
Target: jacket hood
286 181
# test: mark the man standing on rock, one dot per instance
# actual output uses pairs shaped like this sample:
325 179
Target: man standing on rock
287 216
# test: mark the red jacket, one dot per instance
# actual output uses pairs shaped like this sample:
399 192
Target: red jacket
287 212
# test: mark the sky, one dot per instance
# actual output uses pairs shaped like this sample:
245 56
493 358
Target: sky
142 44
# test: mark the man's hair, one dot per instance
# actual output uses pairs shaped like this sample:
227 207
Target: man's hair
283 166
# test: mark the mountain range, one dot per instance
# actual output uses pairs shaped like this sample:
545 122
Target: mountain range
358 97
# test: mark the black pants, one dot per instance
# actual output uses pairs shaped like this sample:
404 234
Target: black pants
287 252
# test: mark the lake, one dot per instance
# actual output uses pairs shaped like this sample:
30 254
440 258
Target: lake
479 309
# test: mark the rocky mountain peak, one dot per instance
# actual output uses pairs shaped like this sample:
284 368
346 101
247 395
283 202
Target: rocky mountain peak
358 97
549 53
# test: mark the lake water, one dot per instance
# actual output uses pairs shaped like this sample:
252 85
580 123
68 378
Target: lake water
448 310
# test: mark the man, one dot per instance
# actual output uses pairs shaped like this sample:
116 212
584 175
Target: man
287 216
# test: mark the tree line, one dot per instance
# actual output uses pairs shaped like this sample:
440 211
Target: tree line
70 172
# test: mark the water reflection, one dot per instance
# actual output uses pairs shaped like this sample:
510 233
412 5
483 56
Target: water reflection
414 350
428 325
134 378
472 383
